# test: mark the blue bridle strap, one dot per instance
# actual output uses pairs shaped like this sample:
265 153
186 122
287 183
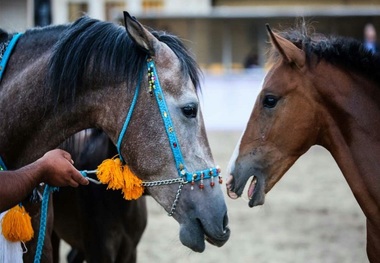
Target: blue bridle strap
7 53
128 118
155 87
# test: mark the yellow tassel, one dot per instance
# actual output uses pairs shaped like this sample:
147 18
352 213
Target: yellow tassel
132 185
17 225
120 177
110 172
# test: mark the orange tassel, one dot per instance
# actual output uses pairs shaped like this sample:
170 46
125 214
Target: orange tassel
132 185
120 177
17 225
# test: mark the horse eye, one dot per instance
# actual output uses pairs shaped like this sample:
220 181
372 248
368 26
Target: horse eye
270 101
190 110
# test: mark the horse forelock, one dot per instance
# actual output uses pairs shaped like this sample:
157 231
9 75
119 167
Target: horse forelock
344 52
92 53
189 66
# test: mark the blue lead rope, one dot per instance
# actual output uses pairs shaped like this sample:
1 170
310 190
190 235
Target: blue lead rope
43 220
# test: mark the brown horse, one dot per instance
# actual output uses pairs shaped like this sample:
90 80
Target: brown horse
318 91
64 79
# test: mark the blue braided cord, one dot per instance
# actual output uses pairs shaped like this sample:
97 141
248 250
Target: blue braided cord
174 144
41 235
128 118
7 53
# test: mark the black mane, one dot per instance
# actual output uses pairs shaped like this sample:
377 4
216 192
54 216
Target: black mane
344 52
92 52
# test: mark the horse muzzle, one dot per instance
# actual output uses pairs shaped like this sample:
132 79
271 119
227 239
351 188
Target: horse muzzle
256 191
210 226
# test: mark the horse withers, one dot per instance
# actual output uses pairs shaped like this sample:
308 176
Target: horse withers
318 91
67 78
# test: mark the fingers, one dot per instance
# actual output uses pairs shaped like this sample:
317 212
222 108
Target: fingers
73 183
76 178
79 179
67 156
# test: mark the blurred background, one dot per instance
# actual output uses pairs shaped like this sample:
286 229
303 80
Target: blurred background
311 214
227 37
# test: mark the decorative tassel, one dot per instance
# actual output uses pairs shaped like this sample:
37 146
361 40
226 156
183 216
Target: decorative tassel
133 188
17 225
110 172
120 177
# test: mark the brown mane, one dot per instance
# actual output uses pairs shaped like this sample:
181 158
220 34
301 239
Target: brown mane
345 52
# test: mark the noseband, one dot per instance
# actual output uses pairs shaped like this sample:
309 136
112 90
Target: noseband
184 176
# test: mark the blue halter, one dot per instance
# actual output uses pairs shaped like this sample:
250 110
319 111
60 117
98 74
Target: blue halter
155 88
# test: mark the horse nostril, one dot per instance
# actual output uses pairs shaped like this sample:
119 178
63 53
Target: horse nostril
225 223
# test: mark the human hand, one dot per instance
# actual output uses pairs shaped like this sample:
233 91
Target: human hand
58 170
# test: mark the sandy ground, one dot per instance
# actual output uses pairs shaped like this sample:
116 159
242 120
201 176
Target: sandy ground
309 216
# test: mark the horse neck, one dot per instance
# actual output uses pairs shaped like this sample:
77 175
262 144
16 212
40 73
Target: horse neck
29 129
350 131
30 125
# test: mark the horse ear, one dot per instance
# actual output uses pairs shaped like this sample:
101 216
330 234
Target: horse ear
142 37
290 52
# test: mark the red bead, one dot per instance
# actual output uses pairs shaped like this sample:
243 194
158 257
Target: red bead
220 180
201 186
174 144
212 184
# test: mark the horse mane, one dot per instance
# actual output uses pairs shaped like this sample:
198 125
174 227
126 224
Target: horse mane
344 52
91 53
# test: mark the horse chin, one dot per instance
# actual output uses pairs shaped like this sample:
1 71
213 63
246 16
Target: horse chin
194 236
256 194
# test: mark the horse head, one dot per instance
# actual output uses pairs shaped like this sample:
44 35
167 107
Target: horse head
149 149
88 75
282 125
